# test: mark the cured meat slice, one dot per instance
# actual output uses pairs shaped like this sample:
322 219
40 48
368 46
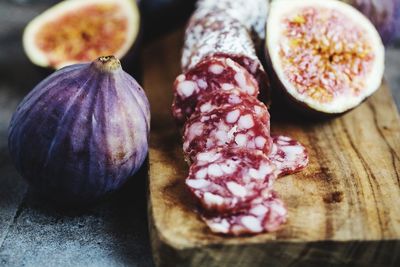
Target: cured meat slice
251 13
264 215
221 98
227 180
209 75
229 126
288 155
213 33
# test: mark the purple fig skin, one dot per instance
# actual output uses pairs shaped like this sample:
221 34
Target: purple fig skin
81 132
384 14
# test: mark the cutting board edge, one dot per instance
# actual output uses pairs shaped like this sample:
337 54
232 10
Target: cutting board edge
227 241
337 253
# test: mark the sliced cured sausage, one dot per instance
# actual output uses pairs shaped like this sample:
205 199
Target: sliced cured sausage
229 126
265 214
288 155
227 180
209 75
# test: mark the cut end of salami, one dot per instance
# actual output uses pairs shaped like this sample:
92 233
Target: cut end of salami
265 214
212 74
234 126
231 29
227 180
288 155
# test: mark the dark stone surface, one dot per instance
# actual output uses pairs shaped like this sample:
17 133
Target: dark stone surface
33 232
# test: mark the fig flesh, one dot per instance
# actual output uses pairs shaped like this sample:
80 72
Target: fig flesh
76 31
81 132
325 55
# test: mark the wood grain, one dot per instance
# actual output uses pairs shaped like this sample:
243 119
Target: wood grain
344 208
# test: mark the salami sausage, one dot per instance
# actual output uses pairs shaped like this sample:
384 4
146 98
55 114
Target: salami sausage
227 180
265 214
209 75
214 33
288 155
226 137
228 126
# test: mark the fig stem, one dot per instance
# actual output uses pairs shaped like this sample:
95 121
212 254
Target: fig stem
107 63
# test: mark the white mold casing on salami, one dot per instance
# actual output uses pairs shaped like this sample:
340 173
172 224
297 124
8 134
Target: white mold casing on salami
209 75
265 214
227 180
229 126
215 33
251 13
288 155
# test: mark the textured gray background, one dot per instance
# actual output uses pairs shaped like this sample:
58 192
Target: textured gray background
32 232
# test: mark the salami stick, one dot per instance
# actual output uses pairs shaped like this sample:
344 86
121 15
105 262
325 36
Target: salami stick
213 33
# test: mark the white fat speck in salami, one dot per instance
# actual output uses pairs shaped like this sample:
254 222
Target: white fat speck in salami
246 121
260 142
265 214
232 116
236 189
198 183
216 69
208 156
201 174
212 199
229 178
288 155
241 140
218 131
212 74
186 88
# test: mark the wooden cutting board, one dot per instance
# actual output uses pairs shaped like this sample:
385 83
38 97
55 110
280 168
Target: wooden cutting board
344 208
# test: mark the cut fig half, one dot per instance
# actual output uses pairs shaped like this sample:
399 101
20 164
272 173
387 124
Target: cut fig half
76 31
325 55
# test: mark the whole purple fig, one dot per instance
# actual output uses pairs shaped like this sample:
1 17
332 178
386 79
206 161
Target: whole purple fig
384 14
81 132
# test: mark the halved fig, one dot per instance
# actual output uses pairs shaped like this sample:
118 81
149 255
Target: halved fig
325 55
76 31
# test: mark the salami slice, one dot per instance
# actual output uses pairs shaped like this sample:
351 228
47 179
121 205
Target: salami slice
229 126
214 33
209 75
288 155
251 13
264 215
227 180
221 98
